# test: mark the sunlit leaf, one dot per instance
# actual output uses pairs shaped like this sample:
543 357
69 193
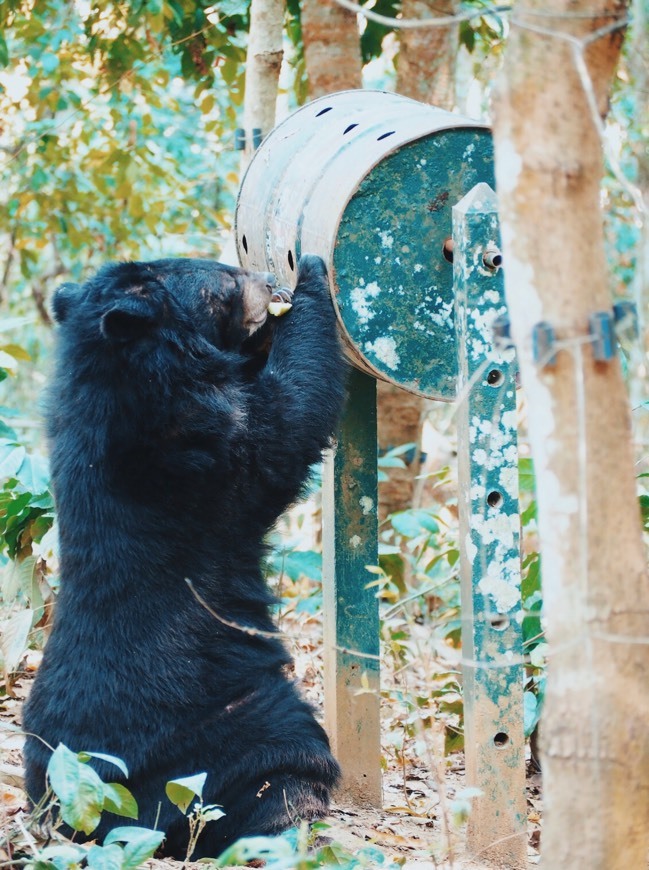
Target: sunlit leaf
140 844
182 792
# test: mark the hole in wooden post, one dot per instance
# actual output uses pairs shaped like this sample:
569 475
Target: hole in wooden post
494 499
447 250
290 261
498 621
495 378
385 135
501 739
244 242
324 111
348 129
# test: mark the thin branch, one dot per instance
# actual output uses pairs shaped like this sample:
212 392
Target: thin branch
246 629
414 23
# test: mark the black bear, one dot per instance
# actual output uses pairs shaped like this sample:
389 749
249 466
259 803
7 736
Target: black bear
177 439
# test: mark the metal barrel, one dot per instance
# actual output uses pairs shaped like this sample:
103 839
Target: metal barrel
367 180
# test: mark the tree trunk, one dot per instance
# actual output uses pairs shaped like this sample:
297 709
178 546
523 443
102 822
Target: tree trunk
263 64
426 60
331 47
594 734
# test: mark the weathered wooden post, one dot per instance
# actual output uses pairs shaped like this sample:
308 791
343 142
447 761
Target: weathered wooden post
367 180
489 538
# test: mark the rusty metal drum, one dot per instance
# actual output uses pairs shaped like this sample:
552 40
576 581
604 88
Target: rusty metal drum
367 180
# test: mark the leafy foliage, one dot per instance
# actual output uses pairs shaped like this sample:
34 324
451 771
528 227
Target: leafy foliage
112 133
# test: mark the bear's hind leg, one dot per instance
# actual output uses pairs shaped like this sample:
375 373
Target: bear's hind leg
282 802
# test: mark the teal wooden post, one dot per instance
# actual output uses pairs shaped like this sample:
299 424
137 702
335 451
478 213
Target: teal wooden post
351 629
489 540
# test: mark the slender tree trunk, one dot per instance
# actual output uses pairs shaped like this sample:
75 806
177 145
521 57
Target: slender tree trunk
263 64
594 733
331 47
426 60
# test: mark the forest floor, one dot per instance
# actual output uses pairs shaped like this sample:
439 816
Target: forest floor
420 825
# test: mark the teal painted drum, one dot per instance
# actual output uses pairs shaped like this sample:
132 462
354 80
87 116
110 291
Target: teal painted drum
367 180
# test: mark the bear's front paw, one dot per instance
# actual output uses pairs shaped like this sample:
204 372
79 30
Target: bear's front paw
280 302
311 268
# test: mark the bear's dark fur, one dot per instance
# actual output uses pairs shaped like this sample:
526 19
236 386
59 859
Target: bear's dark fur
176 443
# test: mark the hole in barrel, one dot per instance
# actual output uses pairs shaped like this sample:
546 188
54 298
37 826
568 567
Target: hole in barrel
291 262
498 621
244 242
385 135
495 378
494 499
349 129
501 739
447 250
324 111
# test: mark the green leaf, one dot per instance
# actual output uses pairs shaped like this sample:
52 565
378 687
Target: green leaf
50 63
296 563
14 638
531 712
141 844
181 792
11 458
34 473
106 857
212 812
411 522
119 800
255 848
67 857
111 759
4 51
79 789
643 501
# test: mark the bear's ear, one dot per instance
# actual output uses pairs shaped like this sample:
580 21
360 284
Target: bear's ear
63 299
129 320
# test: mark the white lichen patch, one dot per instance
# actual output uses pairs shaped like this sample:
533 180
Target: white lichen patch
502 589
444 314
470 548
417 268
361 299
498 528
508 480
355 542
366 504
477 492
385 350
387 239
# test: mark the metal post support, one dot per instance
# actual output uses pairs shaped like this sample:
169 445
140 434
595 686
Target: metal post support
351 629
489 540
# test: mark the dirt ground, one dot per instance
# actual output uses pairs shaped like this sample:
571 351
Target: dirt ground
410 828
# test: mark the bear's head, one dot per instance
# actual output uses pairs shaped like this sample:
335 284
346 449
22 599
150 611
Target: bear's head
131 302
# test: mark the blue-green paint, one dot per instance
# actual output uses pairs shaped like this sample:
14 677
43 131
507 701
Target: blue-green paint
351 612
489 541
395 288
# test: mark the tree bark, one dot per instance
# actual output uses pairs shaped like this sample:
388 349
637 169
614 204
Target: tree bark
594 734
331 47
426 60
263 64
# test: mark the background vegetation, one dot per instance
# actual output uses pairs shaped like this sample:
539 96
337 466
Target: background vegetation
117 140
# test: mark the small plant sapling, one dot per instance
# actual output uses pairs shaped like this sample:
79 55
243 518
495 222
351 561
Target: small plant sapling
181 792
77 796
